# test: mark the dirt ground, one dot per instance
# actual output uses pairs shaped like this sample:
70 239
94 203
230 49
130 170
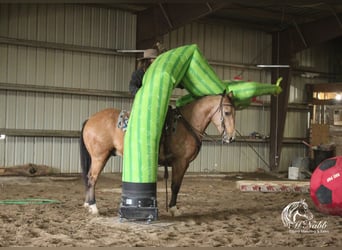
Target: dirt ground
214 213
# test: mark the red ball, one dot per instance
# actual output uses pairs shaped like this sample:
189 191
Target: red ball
326 186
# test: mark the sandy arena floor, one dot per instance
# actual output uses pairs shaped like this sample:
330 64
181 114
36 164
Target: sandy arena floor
214 213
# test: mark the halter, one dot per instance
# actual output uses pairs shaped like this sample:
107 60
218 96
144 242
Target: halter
198 135
223 125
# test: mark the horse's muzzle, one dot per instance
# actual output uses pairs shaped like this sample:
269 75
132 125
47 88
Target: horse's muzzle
231 139
228 139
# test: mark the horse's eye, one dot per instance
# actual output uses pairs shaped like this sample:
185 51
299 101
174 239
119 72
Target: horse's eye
227 113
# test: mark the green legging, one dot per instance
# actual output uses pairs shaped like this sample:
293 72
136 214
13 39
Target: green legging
186 64
242 92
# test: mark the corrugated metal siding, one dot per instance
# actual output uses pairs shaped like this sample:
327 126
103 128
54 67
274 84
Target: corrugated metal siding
51 67
65 24
236 157
67 112
70 24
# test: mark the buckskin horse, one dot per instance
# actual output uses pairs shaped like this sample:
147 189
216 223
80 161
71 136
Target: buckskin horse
103 136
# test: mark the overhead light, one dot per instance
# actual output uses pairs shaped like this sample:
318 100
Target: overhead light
338 97
2 137
273 66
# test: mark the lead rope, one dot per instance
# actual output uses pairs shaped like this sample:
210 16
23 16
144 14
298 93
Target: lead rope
166 177
257 153
166 172
223 125
195 133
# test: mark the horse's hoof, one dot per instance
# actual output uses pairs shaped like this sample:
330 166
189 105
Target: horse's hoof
93 209
174 211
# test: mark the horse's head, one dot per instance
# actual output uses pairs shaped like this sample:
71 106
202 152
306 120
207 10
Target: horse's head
224 118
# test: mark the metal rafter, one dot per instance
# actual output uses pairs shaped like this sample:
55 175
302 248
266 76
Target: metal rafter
315 32
162 18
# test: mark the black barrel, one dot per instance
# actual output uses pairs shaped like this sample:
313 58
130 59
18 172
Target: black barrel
139 201
321 155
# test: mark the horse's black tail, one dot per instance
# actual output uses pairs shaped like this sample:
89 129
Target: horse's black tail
84 157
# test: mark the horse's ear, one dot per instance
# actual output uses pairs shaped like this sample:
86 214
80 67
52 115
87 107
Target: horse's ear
230 94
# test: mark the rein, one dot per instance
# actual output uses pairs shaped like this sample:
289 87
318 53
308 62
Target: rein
198 135
223 125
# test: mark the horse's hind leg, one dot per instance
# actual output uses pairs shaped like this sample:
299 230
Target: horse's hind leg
94 172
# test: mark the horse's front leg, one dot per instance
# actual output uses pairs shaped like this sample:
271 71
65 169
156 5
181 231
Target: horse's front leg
178 171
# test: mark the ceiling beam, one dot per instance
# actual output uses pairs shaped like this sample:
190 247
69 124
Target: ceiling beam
265 14
162 18
242 24
306 35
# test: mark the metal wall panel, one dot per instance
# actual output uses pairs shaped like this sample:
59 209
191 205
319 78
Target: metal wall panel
290 153
49 67
236 157
61 153
70 24
66 112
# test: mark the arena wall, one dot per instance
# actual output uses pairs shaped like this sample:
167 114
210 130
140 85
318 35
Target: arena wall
59 64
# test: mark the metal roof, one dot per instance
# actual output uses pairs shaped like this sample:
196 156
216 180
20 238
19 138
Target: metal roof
268 15
158 17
